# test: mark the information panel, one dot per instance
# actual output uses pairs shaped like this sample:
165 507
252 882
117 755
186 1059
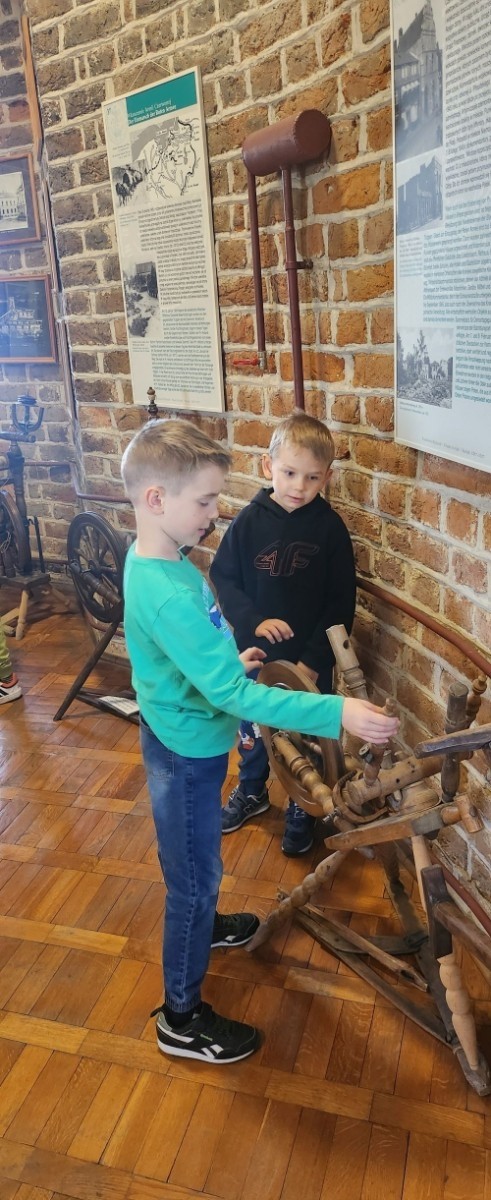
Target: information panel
442 135
156 146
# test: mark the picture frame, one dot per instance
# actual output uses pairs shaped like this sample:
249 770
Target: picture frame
19 217
27 328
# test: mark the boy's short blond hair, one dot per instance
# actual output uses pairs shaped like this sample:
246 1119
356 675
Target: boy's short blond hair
168 452
305 432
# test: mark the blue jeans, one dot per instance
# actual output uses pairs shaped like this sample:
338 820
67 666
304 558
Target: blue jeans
186 805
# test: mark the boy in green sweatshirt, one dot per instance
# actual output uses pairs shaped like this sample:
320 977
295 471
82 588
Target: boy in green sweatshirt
192 689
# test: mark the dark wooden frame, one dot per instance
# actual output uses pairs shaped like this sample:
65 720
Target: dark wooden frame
47 316
22 164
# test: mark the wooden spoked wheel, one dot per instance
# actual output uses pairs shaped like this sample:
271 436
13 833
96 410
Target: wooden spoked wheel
328 762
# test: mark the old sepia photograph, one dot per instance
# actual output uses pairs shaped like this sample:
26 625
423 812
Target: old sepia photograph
27 332
418 78
420 194
19 221
425 364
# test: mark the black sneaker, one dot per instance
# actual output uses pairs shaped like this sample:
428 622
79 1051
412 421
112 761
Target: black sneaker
298 837
208 1037
241 808
234 929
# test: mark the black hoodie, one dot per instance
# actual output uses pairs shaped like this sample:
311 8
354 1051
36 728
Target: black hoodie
296 566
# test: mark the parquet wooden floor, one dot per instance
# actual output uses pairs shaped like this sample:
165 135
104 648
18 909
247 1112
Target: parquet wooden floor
346 1100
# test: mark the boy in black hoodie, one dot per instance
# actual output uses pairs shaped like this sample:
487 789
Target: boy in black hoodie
284 573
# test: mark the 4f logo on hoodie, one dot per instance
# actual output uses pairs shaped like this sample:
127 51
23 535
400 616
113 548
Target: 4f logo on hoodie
285 560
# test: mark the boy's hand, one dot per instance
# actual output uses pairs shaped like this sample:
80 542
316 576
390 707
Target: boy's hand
308 671
274 630
367 721
252 659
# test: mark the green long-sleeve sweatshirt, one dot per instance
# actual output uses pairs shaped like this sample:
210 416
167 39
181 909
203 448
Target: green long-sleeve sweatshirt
191 686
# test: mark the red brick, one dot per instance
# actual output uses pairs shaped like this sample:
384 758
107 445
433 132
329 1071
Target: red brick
379 412
367 283
390 570
336 39
232 254
418 546
323 96
351 328
423 589
316 365
266 76
324 327
373 370
240 328
374 16
279 22
343 239
345 140
301 61
379 128
458 610
366 76
236 290
358 487
392 498
350 189
378 234
346 410
471 572
251 400
382 325
462 521
253 433
385 456
454 475
426 507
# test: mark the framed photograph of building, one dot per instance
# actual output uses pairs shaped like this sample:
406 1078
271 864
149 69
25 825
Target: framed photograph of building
442 200
19 220
27 332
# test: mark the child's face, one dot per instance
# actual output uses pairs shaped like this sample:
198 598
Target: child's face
182 518
297 476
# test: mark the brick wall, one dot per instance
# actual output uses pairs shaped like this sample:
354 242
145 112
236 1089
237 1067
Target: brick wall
421 526
49 489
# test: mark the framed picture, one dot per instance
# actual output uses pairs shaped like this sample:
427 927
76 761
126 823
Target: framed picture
19 220
27 332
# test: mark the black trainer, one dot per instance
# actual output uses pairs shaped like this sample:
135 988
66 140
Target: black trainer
298 837
241 808
208 1037
234 929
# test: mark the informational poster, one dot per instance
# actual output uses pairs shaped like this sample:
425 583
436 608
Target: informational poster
442 135
156 146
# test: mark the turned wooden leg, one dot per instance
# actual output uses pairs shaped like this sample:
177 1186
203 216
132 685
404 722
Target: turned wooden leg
22 617
457 996
299 896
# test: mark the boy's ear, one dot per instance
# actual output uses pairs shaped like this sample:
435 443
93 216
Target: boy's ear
154 499
267 466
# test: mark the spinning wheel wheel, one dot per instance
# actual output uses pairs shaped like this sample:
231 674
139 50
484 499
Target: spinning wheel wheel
15 554
96 555
325 754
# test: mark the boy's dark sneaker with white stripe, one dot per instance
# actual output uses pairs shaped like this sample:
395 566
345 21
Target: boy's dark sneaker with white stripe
208 1037
233 929
241 808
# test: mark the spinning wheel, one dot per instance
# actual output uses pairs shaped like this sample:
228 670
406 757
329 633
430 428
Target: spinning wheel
96 555
324 754
385 798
